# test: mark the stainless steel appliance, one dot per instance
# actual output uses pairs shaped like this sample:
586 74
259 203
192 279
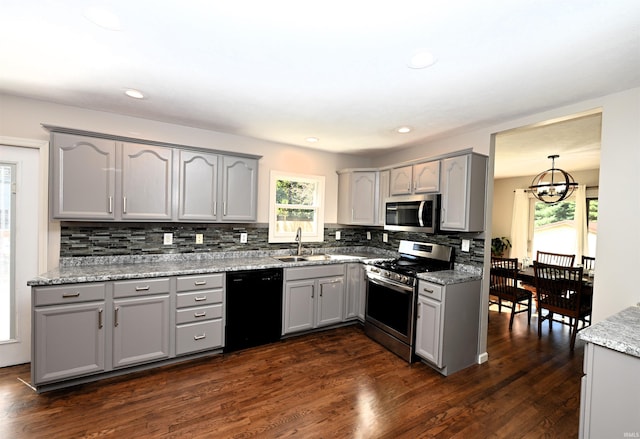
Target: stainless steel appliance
391 294
416 213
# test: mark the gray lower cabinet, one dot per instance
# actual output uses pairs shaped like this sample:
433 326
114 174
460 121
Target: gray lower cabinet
140 321
447 325
69 332
313 297
199 313
355 292
610 394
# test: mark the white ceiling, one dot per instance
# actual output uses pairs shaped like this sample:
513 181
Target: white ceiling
284 70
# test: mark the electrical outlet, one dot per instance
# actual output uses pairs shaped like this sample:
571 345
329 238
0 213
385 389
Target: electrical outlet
199 238
466 244
385 237
168 238
369 235
243 238
338 235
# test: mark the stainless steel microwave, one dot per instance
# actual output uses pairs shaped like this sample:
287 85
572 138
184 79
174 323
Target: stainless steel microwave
416 213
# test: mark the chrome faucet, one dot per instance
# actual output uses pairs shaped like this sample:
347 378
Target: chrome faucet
299 240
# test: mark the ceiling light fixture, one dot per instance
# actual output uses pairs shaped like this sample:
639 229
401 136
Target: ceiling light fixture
312 139
553 185
421 60
136 94
404 130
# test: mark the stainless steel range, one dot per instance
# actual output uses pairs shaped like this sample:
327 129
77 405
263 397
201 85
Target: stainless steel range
391 293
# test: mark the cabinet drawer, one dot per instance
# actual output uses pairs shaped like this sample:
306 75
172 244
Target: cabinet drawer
198 313
200 282
68 294
140 287
198 298
297 273
428 289
192 337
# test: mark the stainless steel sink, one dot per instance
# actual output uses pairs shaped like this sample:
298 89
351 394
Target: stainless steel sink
290 258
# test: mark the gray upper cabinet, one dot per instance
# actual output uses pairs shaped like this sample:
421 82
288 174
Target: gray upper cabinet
83 177
239 188
463 183
109 178
198 186
357 193
416 179
147 184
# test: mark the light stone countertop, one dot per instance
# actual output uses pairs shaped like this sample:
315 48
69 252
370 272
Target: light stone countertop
103 269
620 332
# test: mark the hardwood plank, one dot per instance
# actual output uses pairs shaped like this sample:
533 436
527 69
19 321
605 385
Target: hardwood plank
336 383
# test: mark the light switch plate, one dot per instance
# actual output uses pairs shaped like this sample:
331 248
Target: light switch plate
385 237
199 238
369 235
168 238
466 244
338 235
243 238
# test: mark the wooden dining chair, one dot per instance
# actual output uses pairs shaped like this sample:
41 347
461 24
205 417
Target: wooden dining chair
560 292
504 287
588 263
555 259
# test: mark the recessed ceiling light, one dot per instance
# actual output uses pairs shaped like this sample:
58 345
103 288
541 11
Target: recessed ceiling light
312 139
103 18
404 130
134 94
422 59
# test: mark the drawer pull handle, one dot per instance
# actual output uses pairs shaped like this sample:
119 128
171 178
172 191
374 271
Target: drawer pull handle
428 290
115 316
144 288
200 298
199 337
100 318
69 295
200 282
200 314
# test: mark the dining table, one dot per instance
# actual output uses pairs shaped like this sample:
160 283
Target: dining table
527 276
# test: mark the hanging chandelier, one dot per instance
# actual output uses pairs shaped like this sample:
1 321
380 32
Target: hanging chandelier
553 185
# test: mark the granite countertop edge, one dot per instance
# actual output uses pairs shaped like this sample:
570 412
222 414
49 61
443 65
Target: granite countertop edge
619 332
104 269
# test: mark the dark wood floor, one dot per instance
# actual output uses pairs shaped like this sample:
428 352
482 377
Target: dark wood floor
336 384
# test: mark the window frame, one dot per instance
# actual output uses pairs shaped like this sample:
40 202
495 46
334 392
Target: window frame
289 237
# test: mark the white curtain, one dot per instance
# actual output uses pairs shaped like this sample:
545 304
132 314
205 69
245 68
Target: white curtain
580 221
520 225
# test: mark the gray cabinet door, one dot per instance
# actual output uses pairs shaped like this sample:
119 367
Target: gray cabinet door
426 177
363 198
383 194
428 330
330 301
239 188
401 181
140 330
354 291
198 186
69 341
83 181
147 184
463 186
299 300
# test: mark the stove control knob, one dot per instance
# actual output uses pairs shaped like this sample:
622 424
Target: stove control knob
396 276
387 274
404 279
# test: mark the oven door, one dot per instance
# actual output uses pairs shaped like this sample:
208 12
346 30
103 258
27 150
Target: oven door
391 307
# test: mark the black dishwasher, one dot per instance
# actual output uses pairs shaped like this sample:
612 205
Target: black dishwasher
253 308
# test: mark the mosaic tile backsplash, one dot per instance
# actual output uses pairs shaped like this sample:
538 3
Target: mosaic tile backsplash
100 239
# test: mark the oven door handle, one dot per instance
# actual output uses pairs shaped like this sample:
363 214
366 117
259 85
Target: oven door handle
387 283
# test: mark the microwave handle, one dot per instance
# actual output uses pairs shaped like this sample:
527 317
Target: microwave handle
421 213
